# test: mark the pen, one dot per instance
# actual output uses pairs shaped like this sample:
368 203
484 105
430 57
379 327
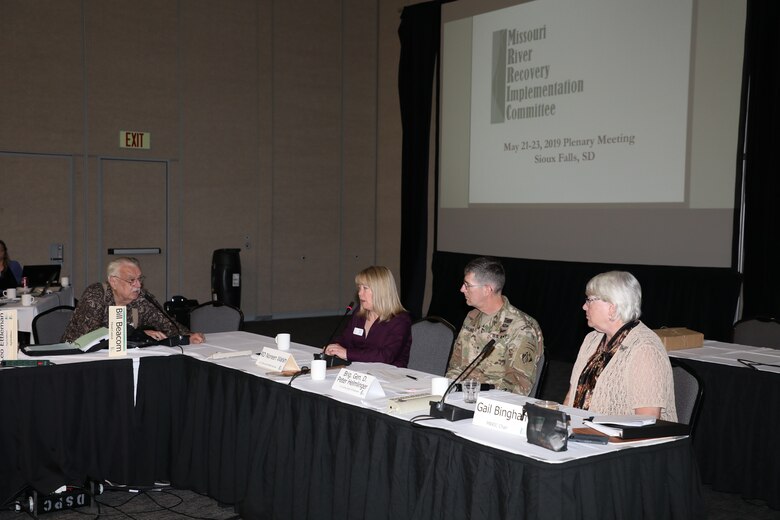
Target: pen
411 377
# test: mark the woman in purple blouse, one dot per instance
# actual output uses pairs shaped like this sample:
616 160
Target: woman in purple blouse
381 329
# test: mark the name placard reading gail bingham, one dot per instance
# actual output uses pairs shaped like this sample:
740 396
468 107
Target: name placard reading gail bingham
500 416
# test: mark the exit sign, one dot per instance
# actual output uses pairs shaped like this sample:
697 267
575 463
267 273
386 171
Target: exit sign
139 140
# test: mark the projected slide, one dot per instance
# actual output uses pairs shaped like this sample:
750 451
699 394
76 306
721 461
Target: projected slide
580 101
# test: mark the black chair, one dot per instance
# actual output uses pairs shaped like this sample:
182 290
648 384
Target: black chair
541 370
758 332
688 393
432 340
179 307
216 317
48 326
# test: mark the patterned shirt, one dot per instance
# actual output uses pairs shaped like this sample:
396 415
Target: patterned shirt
92 313
519 345
638 375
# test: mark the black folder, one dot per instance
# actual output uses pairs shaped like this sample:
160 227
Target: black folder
660 428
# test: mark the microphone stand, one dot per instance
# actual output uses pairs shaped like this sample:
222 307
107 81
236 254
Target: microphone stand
172 341
334 361
442 410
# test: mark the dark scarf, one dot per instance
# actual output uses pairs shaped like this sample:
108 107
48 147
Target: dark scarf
590 374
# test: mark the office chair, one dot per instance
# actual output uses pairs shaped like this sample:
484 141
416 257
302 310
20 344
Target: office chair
758 332
432 340
48 326
688 393
215 317
541 370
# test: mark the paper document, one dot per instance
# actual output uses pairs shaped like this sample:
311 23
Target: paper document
624 420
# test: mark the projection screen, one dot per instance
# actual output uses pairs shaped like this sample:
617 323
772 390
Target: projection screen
590 130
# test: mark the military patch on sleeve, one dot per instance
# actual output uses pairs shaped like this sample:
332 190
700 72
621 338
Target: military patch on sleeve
505 326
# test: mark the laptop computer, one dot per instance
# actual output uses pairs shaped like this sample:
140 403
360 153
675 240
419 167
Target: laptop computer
41 277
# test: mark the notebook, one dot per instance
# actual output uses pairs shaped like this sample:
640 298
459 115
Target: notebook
89 342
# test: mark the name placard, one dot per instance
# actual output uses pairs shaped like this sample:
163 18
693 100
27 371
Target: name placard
9 340
500 416
276 360
357 384
117 331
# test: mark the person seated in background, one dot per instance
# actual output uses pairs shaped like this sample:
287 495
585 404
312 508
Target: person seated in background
622 367
518 339
124 286
380 329
8 279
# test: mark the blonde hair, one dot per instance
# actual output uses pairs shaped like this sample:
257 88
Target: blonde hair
385 296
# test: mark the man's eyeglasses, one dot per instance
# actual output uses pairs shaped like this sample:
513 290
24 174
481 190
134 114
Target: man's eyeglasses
469 286
132 281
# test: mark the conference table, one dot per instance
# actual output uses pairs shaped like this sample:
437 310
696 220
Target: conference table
281 448
738 424
26 313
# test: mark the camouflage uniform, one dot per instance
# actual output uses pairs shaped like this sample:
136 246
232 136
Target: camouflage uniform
519 344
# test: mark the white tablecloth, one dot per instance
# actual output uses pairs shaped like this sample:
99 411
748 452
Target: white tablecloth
729 354
25 315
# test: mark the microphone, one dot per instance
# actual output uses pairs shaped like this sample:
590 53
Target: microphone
442 410
333 361
172 341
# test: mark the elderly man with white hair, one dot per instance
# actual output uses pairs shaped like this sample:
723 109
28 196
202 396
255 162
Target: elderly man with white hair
123 287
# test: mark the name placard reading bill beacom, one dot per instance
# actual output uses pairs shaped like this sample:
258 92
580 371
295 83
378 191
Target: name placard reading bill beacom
117 331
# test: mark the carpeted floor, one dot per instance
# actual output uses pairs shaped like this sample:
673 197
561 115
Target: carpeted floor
177 504
162 504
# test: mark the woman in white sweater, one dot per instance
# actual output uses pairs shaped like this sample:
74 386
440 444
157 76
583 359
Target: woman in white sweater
622 367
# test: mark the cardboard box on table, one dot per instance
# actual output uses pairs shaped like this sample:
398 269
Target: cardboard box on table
679 338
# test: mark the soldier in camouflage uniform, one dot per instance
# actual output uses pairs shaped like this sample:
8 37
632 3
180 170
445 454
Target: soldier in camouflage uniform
519 342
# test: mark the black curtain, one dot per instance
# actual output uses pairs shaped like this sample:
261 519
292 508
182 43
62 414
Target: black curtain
700 298
419 35
761 87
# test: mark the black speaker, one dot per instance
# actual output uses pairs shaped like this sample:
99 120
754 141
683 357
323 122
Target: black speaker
226 277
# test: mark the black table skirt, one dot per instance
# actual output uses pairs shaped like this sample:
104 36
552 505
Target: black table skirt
278 452
737 432
65 424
